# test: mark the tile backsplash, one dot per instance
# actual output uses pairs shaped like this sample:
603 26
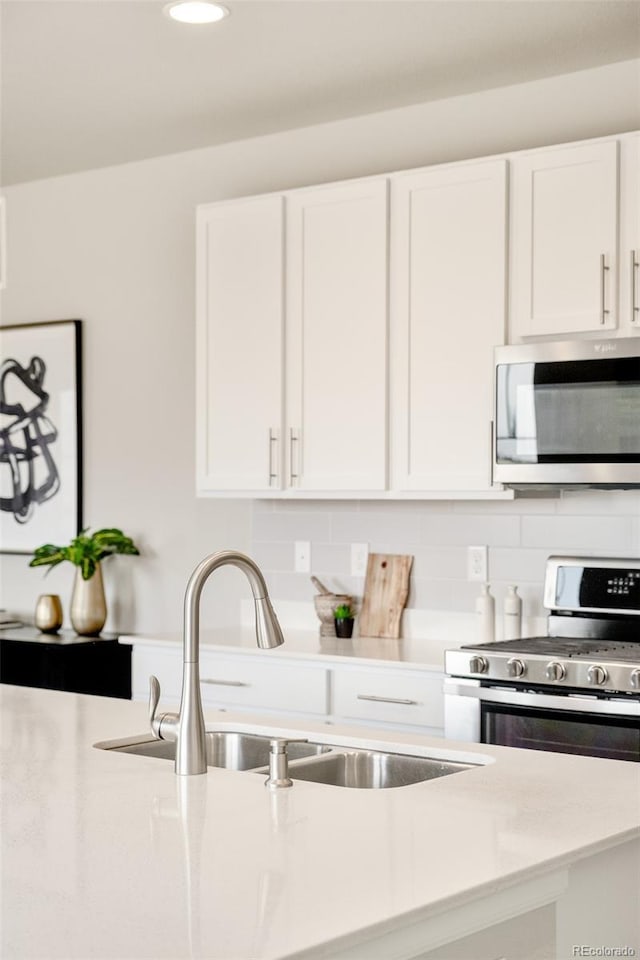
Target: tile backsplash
519 534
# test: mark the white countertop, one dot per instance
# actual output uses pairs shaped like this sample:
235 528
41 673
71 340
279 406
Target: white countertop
112 855
424 653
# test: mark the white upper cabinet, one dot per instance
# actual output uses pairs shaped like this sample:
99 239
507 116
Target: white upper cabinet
239 345
336 337
345 332
448 305
564 240
630 236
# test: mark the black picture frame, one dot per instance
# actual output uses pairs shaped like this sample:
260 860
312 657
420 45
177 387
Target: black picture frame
41 434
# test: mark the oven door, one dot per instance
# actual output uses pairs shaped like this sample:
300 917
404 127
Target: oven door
537 720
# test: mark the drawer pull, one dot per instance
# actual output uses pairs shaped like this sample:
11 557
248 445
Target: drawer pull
369 696
225 683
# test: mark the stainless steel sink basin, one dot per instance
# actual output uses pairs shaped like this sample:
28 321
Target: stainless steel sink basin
327 763
234 751
371 770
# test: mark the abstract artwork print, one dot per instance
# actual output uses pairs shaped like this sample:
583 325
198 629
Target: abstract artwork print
40 434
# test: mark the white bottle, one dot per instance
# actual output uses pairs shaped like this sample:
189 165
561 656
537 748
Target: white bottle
486 615
512 618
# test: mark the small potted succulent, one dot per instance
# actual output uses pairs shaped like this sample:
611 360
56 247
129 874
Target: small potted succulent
344 617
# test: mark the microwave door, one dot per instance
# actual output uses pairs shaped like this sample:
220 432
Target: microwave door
568 422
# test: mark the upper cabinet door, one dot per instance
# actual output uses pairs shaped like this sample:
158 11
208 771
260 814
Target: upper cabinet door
239 345
336 337
447 313
630 235
564 240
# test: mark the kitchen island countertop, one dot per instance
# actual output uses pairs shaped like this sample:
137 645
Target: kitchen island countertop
111 855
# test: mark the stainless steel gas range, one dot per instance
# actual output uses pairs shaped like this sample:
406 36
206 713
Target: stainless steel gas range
576 690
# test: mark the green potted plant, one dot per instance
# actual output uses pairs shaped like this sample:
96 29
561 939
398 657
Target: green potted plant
86 552
344 617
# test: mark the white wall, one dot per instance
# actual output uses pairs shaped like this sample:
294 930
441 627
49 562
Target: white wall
114 247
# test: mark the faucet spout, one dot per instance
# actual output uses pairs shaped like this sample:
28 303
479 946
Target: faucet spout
191 744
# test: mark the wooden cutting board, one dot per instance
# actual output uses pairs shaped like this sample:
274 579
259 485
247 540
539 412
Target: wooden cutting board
386 589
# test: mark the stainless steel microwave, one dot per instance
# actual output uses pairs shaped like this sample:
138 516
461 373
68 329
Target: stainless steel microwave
568 414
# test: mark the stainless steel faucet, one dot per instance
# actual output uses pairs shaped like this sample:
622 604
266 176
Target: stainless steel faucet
187 727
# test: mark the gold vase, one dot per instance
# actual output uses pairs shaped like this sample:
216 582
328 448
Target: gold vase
88 604
48 616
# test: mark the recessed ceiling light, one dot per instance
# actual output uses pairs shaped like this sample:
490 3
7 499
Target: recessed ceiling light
196 11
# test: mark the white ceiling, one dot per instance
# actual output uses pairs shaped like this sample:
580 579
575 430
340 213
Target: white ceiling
88 83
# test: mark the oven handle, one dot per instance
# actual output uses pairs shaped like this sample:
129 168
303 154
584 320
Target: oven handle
571 703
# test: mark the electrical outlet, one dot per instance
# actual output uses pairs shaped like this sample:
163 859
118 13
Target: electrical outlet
359 558
302 556
477 563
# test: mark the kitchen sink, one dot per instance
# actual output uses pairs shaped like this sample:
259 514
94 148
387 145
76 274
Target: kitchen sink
326 763
371 770
228 749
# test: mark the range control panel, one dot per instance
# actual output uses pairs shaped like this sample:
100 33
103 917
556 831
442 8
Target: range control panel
593 585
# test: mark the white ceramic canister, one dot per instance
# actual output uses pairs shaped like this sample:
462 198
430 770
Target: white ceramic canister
512 614
486 615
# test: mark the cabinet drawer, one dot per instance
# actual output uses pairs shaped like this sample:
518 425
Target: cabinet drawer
163 662
404 698
233 681
247 682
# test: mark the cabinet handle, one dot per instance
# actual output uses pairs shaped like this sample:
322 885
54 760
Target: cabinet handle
292 439
273 474
370 696
635 309
225 683
604 269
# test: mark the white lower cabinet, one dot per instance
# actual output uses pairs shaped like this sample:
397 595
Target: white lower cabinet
409 700
237 682
245 682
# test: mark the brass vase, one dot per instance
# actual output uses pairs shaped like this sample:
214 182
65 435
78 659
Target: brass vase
48 616
88 604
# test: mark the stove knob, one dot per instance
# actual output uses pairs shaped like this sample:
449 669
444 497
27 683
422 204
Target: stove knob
634 679
515 667
478 665
596 675
555 671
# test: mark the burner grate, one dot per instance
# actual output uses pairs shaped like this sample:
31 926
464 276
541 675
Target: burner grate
567 647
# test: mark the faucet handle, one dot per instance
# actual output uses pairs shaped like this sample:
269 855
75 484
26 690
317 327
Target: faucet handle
279 761
154 700
163 725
